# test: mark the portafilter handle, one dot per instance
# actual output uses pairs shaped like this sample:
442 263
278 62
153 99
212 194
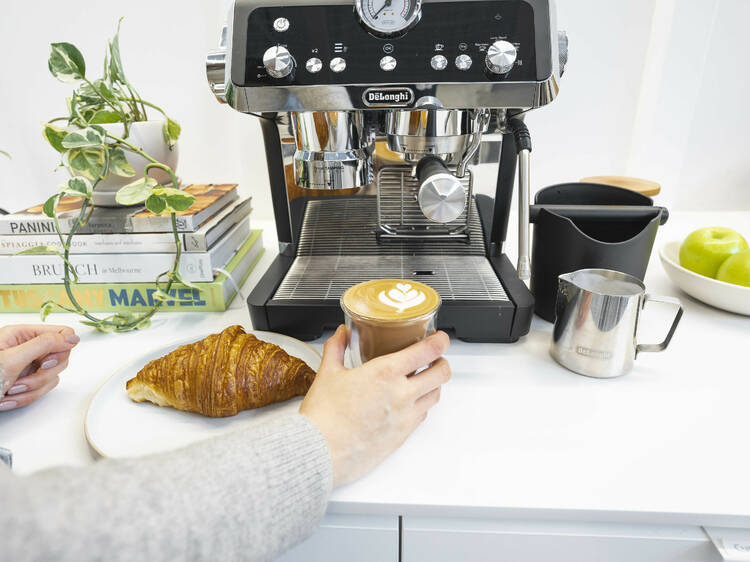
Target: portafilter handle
523 147
442 196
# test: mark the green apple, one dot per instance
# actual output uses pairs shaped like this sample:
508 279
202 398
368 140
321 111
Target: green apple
736 269
704 250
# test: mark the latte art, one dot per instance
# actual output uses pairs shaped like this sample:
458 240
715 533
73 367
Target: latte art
402 297
388 300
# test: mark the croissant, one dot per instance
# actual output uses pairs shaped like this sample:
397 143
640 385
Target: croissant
221 375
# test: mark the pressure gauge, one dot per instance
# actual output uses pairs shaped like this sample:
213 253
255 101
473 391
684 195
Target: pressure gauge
389 17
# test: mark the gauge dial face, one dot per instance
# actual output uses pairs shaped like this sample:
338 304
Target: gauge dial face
388 17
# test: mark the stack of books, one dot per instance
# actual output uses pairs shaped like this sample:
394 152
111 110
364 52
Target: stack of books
119 253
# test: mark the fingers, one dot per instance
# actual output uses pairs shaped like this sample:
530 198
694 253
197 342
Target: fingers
33 330
430 379
26 398
37 380
334 349
18 357
416 356
423 405
53 359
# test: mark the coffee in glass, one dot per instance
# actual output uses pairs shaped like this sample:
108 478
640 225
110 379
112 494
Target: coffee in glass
387 315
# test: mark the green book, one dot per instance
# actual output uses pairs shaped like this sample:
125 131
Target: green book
138 297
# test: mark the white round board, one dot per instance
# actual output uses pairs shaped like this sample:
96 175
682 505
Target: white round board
117 427
734 298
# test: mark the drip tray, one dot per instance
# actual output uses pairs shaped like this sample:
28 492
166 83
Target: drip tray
455 278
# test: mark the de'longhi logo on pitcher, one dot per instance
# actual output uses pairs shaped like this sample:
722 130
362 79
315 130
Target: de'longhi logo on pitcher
402 297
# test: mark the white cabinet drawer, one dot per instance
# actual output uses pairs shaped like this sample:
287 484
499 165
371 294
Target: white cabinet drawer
345 538
473 540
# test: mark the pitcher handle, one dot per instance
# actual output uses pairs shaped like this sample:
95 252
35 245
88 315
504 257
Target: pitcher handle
663 345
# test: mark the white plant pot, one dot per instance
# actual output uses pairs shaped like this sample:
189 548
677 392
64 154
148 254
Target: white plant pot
149 137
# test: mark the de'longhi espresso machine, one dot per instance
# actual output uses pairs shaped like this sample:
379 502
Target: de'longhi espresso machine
377 118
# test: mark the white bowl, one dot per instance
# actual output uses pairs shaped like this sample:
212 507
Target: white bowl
734 298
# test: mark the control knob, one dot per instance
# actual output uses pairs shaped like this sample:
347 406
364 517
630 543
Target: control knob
278 61
501 56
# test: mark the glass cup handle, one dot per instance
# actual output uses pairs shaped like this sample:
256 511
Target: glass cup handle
663 345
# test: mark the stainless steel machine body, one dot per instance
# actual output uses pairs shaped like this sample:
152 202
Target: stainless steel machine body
374 114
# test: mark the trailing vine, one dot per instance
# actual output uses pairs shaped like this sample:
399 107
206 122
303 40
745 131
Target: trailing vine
91 153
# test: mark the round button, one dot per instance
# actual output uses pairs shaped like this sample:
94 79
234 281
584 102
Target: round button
314 65
387 48
388 63
463 62
278 61
501 56
439 62
281 24
338 65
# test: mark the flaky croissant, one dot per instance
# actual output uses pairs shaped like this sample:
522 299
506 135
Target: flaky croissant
221 375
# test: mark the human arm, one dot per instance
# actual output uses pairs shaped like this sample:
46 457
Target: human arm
250 495
245 496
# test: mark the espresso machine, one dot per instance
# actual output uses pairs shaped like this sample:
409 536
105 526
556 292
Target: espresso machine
378 117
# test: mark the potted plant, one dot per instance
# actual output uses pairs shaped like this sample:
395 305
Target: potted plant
114 155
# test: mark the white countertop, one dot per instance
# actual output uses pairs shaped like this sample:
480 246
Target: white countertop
515 435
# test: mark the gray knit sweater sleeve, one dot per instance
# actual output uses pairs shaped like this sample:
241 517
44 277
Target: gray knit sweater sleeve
245 496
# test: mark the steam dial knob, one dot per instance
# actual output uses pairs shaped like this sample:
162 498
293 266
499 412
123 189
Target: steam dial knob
442 196
278 61
501 56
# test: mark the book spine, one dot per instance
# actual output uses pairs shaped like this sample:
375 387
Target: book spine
94 243
138 297
111 298
103 268
19 225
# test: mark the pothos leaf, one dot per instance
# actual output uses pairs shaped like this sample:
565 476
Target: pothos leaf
136 192
116 71
50 205
74 108
171 131
84 138
39 251
105 116
54 136
180 202
156 204
46 309
78 186
119 165
88 162
176 200
66 63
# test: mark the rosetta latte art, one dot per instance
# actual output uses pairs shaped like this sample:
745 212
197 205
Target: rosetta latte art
402 297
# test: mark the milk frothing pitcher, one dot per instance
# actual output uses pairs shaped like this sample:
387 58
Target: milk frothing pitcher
597 319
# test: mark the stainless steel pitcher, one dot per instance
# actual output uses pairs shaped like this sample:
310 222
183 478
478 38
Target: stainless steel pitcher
597 320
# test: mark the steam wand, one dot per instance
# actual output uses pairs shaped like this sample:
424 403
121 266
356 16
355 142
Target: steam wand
523 147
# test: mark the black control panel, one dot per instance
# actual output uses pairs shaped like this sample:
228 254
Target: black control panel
449 44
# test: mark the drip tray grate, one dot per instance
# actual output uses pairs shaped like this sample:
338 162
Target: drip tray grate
349 226
455 278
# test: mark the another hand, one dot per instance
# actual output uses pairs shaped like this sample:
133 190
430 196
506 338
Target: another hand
367 413
31 360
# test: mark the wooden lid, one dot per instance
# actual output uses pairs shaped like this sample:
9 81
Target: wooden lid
644 187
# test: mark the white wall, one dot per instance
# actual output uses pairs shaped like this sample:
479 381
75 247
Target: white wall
654 88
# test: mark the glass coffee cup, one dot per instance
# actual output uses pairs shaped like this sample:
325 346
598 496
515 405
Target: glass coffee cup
387 315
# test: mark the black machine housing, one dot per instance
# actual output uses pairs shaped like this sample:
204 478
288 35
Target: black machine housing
448 27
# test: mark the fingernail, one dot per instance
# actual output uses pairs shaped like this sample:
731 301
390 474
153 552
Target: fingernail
18 389
72 338
48 364
8 405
